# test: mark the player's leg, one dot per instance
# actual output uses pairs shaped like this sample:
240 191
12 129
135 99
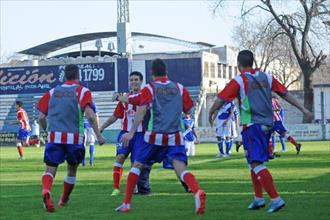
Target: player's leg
283 133
68 185
75 153
117 173
282 141
193 148
187 147
256 139
121 154
53 156
143 183
228 147
20 149
221 141
145 153
47 183
91 145
189 179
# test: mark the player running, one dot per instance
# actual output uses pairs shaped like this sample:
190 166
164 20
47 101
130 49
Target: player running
189 135
279 127
90 136
23 134
254 89
163 138
64 107
126 111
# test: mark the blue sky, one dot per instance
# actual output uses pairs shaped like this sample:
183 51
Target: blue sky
28 23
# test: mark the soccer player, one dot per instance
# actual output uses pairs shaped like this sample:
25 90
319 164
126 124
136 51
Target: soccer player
90 136
224 127
189 134
254 89
126 111
279 127
35 132
163 138
64 107
22 138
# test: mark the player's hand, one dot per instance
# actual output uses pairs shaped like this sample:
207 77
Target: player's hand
125 139
309 115
101 139
115 97
123 98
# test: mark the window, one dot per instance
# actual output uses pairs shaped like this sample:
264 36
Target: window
224 71
230 72
212 70
219 70
206 69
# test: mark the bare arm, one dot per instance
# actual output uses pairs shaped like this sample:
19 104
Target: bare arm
112 119
91 116
293 101
42 121
216 105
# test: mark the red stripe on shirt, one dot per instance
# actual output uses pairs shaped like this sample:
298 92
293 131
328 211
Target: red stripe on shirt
165 139
75 138
64 137
177 138
52 137
152 138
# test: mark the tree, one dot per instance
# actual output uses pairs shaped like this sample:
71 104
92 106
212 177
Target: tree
302 26
271 48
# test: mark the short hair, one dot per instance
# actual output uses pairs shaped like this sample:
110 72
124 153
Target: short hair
137 73
245 58
158 67
71 72
19 103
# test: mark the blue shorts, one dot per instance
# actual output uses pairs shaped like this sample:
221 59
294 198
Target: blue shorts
133 145
23 134
255 140
56 154
278 127
149 154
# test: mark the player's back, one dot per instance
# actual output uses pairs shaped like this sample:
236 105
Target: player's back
166 107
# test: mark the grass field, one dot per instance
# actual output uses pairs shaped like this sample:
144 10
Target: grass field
303 181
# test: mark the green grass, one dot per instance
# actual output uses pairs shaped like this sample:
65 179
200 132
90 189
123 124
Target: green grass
303 181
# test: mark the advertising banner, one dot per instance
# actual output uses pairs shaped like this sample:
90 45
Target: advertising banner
39 79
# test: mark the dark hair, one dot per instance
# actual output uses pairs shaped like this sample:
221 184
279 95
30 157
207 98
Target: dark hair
19 103
137 73
158 67
245 58
71 72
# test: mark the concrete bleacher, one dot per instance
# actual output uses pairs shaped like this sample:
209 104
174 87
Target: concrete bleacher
102 99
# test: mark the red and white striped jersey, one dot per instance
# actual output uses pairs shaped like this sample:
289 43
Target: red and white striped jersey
276 110
65 137
23 119
164 139
127 113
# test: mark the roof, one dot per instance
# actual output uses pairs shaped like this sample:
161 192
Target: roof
51 46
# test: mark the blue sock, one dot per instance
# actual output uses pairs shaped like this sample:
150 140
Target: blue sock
91 153
273 142
220 146
282 140
228 147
